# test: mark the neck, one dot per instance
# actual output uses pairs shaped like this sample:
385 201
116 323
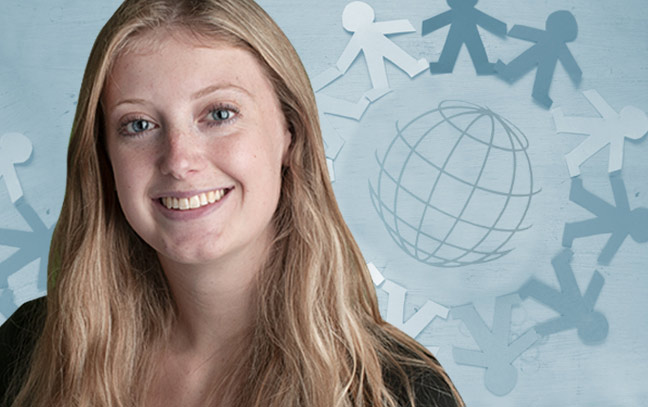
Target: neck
215 304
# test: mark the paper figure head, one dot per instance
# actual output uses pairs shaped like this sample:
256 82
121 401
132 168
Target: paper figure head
356 15
462 4
634 122
562 24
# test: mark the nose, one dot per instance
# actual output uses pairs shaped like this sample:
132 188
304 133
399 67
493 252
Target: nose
182 154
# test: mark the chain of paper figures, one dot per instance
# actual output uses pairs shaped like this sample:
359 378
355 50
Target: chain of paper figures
574 309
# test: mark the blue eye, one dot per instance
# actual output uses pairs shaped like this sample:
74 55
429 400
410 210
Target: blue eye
138 126
221 114
135 126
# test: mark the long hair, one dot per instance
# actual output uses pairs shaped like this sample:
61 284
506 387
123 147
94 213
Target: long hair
318 339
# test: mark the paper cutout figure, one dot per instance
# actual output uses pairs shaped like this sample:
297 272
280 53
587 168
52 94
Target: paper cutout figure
32 245
333 143
396 308
325 78
376 276
496 353
417 322
576 310
15 148
618 220
329 105
369 37
611 128
463 19
550 48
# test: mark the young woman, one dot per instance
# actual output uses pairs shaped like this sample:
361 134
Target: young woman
200 258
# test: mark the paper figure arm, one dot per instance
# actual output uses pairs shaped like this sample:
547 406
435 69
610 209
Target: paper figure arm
611 247
349 55
491 24
436 22
605 110
570 65
620 193
615 161
395 27
325 78
588 200
526 33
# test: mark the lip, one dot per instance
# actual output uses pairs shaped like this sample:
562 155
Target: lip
190 214
187 194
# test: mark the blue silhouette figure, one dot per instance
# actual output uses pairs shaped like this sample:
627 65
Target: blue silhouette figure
32 245
463 20
617 220
576 310
497 353
550 48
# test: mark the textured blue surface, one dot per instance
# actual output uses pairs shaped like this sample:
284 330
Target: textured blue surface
553 354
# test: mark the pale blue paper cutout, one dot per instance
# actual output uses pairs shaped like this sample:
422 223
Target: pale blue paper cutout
330 105
396 308
550 47
333 143
611 128
31 245
369 38
15 148
376 276
576 310
463 19
325 78
497 352
618 220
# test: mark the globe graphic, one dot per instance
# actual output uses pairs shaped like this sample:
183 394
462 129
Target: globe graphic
454 185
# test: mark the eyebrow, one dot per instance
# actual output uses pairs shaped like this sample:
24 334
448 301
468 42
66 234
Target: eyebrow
213 88
197 95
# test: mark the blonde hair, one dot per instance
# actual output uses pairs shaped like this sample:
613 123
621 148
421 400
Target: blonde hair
318 339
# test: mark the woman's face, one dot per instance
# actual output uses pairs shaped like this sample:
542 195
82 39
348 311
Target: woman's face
196 139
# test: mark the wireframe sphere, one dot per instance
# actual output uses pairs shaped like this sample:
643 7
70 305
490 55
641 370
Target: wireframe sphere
454 185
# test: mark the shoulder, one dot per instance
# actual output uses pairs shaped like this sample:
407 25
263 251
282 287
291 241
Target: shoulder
18 336
429 387
422 372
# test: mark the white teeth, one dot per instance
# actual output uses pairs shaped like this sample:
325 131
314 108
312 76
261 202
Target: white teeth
193 202
184 203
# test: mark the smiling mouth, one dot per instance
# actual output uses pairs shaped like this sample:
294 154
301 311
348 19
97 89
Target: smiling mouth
194 202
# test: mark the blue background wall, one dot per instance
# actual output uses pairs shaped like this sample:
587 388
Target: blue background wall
510 356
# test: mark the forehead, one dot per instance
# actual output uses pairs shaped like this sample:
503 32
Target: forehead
179 60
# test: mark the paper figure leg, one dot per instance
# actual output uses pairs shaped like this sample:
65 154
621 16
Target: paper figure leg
377 72
448 56
478 55
542 293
